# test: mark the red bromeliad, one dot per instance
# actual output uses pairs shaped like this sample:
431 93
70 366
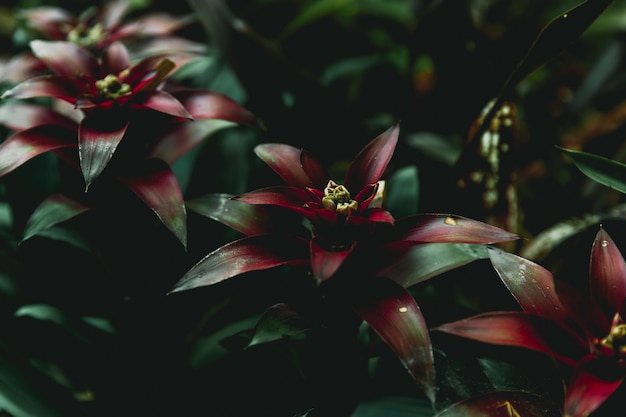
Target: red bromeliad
347 236
111 92
96 29
115 100
587 334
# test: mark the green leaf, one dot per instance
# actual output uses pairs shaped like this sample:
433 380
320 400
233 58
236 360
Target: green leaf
52 211
277 322
427 260
600 169
403 192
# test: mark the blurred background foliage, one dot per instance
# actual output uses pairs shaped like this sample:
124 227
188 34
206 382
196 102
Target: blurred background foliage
87 327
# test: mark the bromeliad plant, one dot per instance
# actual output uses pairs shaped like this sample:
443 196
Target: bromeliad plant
96 29
585 333
349 245
115 99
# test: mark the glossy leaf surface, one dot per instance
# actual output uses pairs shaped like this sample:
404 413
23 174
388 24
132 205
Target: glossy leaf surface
522 330
158 188
602 170
607 274
53 210
395 316
244 255
285 161
531 285
370 163
444 228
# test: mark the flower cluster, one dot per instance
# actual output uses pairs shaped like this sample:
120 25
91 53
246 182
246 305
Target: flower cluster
586 333
113 100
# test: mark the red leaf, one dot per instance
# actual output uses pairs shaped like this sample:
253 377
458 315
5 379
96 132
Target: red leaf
98 137
288 197
325 263
115 58
48 20
586 391
447 228
314 170
66 58
607 274
248 219
158 187
27 144
531 285
20 67
253 253
22 115
45 86
163 102
395 316
286 161
183 137
112 13
203 104
511 328
370 163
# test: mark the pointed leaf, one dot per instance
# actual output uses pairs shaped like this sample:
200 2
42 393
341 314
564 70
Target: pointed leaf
502 404
22 115
318 175
448 228
163 102
287 197
45 86
586 391
253 253
115 58
286 161
20 67
158 187
66 58
424 261
602 170
277 322
25 145
53 210
185 136
607 274
48 20
512 328
395 316
370 163
204 104
98 137
531 285
112 12
248 219
325 263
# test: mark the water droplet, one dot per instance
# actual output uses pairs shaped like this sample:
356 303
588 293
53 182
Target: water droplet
564 15
604 243
450 221
403 309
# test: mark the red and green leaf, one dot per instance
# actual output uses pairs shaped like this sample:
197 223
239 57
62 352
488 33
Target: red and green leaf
395 316
53 210
249 254
511 328
286 161
66 58
370 163
158 188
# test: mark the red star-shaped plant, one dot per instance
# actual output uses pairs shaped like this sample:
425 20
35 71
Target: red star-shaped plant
586 333
348 235
115 100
